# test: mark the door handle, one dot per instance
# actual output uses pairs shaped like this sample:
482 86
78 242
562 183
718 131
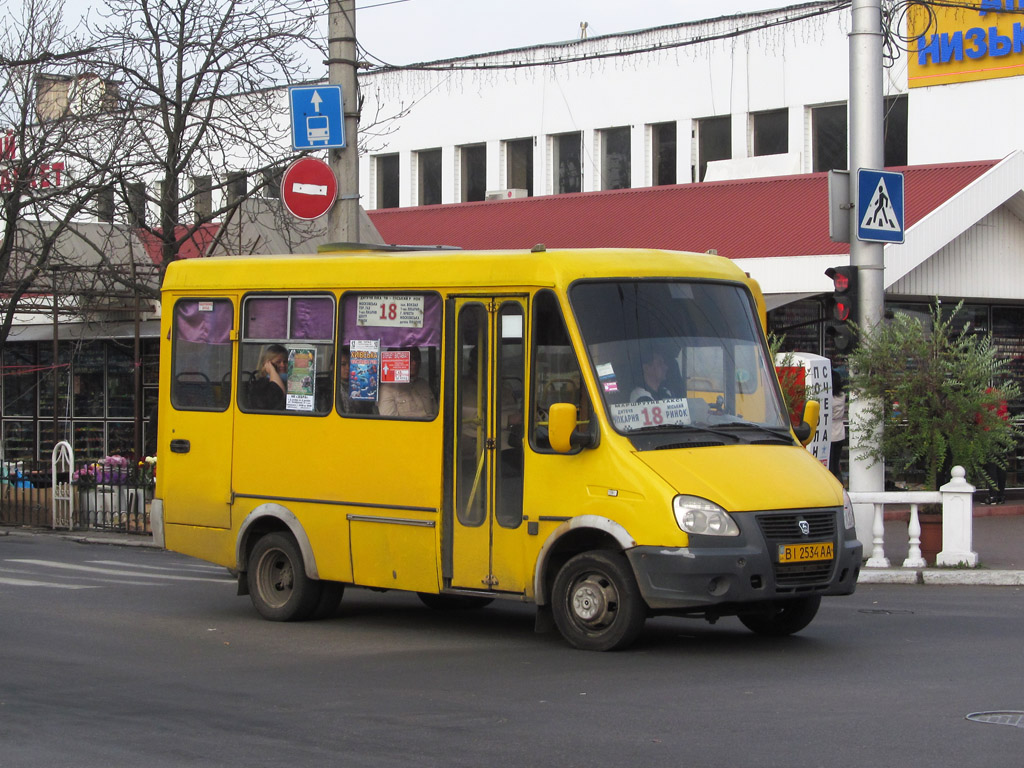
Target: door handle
180 446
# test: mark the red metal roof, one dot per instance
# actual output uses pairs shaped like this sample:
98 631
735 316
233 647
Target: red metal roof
191 248
764 217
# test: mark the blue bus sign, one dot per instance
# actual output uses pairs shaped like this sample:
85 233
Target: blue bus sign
318 120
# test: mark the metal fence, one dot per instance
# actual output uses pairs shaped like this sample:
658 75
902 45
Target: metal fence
110 501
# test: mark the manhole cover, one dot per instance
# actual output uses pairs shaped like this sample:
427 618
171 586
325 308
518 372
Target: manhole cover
999 718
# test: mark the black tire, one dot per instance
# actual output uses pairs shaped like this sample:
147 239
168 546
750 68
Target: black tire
596 603
278 585
331 593
783 617
453 602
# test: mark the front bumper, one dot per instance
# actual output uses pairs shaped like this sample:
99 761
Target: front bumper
719 572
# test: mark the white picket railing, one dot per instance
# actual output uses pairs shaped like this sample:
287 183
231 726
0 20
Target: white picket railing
956 498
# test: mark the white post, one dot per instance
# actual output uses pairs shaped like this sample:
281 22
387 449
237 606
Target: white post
957 522
878 558
914 557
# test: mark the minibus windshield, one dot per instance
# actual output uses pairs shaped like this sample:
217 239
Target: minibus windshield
680 356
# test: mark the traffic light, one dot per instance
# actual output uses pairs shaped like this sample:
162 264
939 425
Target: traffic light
841 307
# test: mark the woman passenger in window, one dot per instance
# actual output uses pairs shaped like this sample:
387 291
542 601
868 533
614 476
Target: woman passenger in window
412 400
266 393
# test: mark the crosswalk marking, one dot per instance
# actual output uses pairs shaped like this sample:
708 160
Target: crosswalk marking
54 585
88 569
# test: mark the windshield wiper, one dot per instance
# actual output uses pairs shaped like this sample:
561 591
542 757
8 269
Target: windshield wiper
780 433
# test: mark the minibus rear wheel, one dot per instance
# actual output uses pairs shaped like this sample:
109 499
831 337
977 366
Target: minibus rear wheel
596 603
278 584
782 618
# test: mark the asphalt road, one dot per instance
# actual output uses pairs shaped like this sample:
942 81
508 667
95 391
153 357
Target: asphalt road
112 656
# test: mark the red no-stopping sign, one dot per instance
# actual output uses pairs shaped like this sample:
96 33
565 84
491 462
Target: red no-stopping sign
308 188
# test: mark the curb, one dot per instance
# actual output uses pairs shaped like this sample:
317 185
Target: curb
941 576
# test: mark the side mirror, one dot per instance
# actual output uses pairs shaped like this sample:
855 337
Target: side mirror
562 434
804 432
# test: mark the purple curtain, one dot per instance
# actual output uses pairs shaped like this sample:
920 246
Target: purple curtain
312 318
429 335
204 321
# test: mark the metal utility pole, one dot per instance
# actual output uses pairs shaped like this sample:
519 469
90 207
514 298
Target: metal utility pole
867 150
343 218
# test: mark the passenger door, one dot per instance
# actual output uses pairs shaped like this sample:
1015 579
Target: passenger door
486 474
196 421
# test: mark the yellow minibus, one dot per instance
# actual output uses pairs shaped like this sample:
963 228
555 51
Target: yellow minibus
597 432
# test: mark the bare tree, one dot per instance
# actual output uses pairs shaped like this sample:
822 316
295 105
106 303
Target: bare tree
57 139
202 91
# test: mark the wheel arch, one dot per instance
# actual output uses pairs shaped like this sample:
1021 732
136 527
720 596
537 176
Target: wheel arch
572 537
267 518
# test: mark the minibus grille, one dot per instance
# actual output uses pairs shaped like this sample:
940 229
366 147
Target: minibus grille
784 528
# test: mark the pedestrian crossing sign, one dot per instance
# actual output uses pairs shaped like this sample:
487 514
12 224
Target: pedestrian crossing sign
880 206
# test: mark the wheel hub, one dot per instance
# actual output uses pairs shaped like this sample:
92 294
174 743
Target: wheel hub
594 600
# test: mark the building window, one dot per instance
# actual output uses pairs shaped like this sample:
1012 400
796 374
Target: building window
473 172
663 153
615 158
519 165
272 183
771 132
896 130
714 142
237 187
428 170
568 162
828 138
202 197
387 180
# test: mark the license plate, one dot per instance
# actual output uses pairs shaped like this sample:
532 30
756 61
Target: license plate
805 553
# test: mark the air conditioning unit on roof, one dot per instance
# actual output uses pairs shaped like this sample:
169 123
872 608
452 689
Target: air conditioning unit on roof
504 194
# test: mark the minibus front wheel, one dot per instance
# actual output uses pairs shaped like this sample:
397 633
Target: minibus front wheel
278 584
596 603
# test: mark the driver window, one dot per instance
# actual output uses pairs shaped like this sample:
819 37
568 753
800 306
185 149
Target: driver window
556 370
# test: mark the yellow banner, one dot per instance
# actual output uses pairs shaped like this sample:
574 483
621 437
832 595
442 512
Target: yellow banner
958 41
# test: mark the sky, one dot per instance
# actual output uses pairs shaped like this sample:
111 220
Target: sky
407 31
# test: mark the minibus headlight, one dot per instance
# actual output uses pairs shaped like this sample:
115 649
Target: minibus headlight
848 519
697 515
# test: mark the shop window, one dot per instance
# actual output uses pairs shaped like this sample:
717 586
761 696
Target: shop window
201 354
828 138
568 162
473 172
519 165
19 380
616 163
714 142
120 381
392 344
286 357
88 385
556 370
386 167
663 153
49 372
771 132
428 167
19 441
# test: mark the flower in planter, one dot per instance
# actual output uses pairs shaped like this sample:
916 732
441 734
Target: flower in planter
147 471
110 470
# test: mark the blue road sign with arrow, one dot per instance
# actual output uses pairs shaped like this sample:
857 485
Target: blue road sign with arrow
318 120
880 206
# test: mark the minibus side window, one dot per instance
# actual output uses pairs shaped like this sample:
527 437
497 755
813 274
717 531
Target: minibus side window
392 342
286 354
556 370
201 354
